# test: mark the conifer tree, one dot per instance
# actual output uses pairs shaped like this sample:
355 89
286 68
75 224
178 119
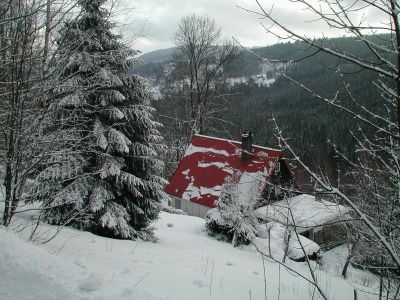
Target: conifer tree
104 175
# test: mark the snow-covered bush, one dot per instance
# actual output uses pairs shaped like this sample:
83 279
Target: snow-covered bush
172 210
234 217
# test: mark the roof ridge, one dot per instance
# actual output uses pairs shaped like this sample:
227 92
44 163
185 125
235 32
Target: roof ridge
237 142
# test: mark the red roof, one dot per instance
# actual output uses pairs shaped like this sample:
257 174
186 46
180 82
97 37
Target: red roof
209 161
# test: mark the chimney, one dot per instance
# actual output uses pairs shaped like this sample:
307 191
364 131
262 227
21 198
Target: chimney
247 144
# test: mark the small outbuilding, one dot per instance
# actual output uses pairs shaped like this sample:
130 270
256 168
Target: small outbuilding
319 220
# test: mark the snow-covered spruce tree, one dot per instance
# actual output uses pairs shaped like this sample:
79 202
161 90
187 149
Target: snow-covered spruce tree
104 175
233 218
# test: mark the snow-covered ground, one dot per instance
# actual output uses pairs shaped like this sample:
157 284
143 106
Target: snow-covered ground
260 79
263 80
184 264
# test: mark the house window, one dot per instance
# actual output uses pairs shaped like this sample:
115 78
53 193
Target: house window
309 234
277 191
278 167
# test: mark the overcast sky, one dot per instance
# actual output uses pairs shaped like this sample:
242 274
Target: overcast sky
158 20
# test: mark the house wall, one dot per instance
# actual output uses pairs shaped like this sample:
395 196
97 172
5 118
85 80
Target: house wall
191 208
331 236
327 236
280 181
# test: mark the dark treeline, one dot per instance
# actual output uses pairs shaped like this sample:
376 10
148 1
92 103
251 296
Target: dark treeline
307 120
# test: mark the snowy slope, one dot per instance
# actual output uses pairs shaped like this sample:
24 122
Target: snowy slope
184 264
28 272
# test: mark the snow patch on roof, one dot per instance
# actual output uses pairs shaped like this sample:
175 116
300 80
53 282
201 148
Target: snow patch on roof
220 165
199 191
262 154
193 149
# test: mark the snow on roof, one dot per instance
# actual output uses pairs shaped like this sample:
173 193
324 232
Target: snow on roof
306 210
274 243
209 161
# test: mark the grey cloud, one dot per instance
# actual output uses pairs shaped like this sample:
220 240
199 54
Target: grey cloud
163 17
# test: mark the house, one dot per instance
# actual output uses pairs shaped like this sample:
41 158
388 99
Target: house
208 162
259 172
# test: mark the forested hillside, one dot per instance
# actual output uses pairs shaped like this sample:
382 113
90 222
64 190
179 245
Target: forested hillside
249 105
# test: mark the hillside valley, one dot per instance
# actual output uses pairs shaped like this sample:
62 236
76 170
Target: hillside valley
256 92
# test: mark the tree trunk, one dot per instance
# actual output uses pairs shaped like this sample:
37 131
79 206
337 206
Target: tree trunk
235 239
355 295
348 259
287 246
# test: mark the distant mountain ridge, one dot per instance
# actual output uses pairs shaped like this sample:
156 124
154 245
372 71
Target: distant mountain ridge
158 56
246 64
